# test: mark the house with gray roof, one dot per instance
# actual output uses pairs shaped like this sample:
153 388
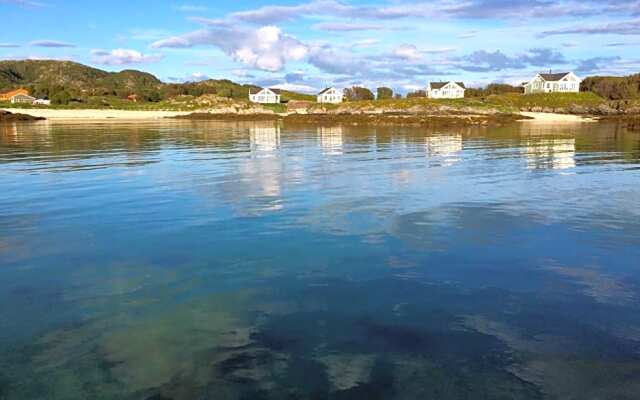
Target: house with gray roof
446 90
265 96
330 95
563 82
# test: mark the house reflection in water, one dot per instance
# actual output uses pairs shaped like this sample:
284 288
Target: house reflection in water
445 149
550 154
8 134
264 137
331 140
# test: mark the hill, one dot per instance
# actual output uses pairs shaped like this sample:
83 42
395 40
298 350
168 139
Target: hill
65 81
44 78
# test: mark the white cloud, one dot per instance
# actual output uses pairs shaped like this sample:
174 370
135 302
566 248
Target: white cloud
412 87
266 48
51 43
346 26
294 87
147 34
467 35
407 52
198 76
365 43
271 14
123 57
8 45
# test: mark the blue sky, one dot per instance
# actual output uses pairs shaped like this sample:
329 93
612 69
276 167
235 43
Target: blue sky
309 44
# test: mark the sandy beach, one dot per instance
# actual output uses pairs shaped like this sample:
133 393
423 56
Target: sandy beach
551 118
70 115
140 115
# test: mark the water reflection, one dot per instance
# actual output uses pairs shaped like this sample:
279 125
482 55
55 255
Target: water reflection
445 148
265 137
214 260
551 154
331 139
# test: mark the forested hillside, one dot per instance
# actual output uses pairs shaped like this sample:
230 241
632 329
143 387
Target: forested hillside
613 87
66 81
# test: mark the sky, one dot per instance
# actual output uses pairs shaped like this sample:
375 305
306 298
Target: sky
306 45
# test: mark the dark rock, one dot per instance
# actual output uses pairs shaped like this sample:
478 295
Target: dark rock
6 116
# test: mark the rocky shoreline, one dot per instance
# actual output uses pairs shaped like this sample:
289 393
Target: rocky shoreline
610 108
6 116
393 118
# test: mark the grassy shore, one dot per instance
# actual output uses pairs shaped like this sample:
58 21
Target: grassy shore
494 109
546 100
501 103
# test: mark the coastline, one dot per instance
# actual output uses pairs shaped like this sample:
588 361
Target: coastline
95 114
354 118
554 118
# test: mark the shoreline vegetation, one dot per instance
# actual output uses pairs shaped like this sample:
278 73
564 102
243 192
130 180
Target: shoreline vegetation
491 110
404 119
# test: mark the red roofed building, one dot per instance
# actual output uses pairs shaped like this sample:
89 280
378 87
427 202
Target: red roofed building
17 96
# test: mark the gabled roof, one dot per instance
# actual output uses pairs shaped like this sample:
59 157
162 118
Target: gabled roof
440 85
325 90
554 77
256 91
13 93
22 96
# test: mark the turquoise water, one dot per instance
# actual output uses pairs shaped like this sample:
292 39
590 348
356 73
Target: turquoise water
203 260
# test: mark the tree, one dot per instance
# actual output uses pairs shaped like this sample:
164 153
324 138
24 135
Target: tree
61 98
493 88
384 93
418 93
613 88
152 96
397 96
357 93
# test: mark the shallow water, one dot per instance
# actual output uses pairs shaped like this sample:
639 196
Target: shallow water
202 260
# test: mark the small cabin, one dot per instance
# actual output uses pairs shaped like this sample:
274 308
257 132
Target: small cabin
330 96
265 96
17 96
446 90
22 99
563 82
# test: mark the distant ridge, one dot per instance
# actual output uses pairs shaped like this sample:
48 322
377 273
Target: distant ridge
48 78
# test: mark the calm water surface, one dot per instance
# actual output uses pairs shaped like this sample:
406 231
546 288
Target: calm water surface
201 260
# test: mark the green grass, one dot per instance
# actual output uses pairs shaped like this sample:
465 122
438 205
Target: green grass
406 104
551 100
511 102
277 108
287 96
504 103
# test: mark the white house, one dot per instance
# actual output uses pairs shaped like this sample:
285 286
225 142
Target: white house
265 96
330 95
564 82
22 99
445 90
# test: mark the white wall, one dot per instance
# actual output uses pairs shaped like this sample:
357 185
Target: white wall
567 85
446 92
332 97
264 97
